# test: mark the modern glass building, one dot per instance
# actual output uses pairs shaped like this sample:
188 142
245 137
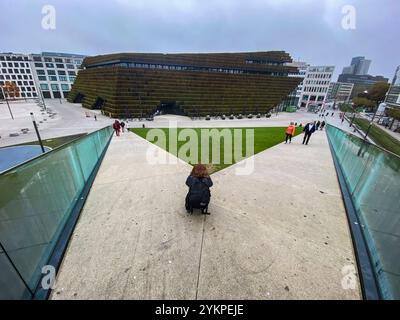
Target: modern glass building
55 72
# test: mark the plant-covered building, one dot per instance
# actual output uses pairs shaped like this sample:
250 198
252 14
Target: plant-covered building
140 84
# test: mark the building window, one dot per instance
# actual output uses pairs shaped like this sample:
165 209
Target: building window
49 65
42 78
70 66
60 65
44 86
63 78
39 65
39 71
51 72
54 87
61 72
52 78
64 87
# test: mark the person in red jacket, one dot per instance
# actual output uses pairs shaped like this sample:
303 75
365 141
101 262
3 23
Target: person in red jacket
117 127
290 132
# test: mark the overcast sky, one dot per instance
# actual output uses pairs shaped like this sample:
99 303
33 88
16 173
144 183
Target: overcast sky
310 30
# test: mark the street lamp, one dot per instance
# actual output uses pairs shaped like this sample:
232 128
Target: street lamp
37 132
8 105
41 96
369 126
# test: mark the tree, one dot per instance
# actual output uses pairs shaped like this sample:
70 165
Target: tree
393 113
378 91
375 94
363 103
346 107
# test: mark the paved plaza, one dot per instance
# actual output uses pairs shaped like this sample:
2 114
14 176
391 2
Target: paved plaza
69 119
280 232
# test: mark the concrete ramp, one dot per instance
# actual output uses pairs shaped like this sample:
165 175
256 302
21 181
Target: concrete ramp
278 233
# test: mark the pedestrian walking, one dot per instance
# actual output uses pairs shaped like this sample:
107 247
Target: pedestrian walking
308 130
117 127
317 125
290 132
95 118
322 125
122 124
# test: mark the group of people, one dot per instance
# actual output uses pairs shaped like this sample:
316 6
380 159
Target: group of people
118 126
308 130
199 181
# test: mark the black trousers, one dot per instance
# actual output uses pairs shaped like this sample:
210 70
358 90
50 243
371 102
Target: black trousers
306 138
288 136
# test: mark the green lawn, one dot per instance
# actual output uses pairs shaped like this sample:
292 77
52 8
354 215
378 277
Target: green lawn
53 142
380 137
264 138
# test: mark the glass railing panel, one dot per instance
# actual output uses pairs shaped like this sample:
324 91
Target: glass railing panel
373 178
377 198
37 199
87 153
9 279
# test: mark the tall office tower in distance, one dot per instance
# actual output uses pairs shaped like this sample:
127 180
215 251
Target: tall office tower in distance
396 78
357 74
359 66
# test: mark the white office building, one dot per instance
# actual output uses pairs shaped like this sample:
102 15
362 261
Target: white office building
315 86
303 67
55 72
340 91
16 68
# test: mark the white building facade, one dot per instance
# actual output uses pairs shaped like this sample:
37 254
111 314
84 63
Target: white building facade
315 86
16 68
340 91
303 67
55 72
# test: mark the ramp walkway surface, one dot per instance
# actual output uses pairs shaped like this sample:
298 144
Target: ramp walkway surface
280 232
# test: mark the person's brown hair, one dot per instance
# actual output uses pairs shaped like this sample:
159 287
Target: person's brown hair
199 171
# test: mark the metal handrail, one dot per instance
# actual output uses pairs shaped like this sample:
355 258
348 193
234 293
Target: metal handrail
366 142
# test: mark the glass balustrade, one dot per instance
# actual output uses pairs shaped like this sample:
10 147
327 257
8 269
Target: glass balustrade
36 200
373 179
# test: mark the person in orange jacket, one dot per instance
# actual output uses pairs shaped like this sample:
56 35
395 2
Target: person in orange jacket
290 132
